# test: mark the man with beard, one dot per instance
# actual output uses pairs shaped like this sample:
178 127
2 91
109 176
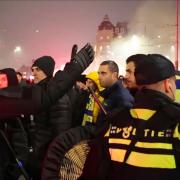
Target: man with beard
129 79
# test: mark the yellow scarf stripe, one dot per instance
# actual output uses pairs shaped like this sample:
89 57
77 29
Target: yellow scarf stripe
144 114
144 160
107 133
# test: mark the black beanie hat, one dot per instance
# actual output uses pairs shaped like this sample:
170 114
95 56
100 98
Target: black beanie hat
46 64
11 76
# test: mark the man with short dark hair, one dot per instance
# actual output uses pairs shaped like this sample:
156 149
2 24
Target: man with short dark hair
143 141
115 95
130 81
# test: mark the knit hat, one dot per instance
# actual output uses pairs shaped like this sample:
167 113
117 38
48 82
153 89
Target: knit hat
46 64
153 68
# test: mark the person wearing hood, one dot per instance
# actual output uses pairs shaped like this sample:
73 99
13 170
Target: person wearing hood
92 108
12 128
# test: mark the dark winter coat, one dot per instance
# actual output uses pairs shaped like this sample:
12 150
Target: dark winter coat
30 100
13 131
53 121
48 124
116 97
78 100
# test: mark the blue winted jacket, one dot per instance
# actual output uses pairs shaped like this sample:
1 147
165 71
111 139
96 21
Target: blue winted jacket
117 96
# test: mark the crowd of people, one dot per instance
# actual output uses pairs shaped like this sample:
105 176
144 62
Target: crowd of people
132 121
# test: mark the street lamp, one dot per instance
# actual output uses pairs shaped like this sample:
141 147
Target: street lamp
17 49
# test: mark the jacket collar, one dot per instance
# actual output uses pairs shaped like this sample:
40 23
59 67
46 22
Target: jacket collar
151 99
107 92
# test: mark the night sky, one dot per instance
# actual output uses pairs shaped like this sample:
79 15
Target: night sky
52 27
60 25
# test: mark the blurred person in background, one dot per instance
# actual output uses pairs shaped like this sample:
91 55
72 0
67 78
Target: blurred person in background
78 96
14 131
92 108
22 82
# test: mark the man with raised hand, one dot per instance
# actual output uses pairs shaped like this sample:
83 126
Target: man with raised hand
28 100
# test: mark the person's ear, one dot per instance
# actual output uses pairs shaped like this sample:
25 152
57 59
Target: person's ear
167 85
115 75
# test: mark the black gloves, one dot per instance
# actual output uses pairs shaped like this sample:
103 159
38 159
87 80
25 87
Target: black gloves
74 51
84 57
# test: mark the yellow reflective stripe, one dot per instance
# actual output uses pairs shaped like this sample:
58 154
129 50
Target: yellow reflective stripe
144 114
117 154
177 77
144 160
176 132
154 145
107 133
119 141
177 95
152 160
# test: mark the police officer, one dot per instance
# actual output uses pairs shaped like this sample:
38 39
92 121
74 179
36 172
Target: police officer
143 142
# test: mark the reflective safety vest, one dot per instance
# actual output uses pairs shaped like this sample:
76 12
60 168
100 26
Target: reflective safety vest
177 95
141 138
